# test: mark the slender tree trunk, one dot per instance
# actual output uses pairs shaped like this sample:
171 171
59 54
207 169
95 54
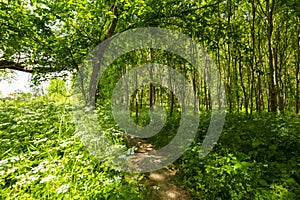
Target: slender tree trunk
282 46
171 96
298 68
161 96
195 91
236 83
253 60
141 98
126 88
229 57
208 74
183 92
136 97
206 95
152 89
272 64
245 100
260 98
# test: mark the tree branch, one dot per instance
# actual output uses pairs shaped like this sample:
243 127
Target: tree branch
5 64
23 67
96 66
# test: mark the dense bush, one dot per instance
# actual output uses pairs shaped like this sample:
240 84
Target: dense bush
41 158
257 157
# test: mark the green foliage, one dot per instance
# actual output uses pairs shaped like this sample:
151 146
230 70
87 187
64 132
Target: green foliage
7 75
57 91
57 86
257 157
41 158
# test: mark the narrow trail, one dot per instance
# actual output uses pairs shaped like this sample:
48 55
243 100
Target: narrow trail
161 183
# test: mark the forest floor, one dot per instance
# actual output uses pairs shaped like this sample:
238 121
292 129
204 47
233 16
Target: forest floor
162 184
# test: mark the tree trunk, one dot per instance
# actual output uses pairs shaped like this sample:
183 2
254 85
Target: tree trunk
272 64
253 60
152 89
260 98
136 97
195 91
126 88
245 100
298 68
96 67
141 98
171 96
183 92
229 57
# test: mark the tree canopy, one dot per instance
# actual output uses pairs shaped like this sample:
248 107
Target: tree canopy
255 44
54 147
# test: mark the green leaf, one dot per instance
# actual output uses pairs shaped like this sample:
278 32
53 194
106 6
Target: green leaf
263 182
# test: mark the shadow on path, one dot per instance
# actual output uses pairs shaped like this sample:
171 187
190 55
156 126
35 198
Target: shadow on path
162 183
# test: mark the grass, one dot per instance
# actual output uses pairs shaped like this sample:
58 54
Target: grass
257 157
41 158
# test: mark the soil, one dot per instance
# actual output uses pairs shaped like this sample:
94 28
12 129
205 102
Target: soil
162 183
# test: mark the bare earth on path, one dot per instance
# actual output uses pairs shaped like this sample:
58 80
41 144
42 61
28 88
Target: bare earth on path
161 183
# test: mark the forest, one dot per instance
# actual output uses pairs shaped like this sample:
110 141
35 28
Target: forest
151 99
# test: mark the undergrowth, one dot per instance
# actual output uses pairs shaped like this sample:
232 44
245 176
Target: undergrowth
256 157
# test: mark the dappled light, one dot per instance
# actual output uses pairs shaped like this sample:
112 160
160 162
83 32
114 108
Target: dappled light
150 99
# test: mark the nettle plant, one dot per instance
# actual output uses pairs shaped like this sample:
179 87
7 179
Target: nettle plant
256 157
41 157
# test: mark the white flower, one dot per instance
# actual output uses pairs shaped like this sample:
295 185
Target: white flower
3 162
80 176
95 139
47 179
79 156
40 140
33 178
35 152
46 162
12 170
63 189
23 181
108 181
21 176
117 178
79 133
42 167
66 143
14 158
29 179
155 187
2 172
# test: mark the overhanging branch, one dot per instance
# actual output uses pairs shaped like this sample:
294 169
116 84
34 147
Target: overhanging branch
23 67
5 64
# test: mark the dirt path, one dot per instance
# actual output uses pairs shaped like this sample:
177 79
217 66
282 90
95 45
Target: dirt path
161 183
